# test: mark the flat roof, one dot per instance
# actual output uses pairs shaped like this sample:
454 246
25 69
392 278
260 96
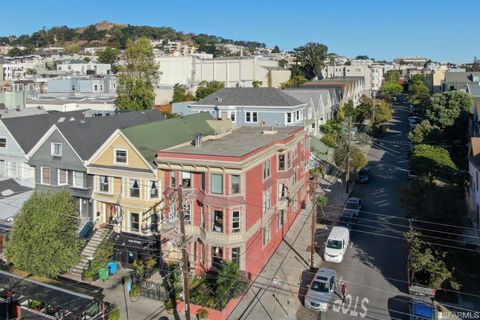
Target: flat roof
237 143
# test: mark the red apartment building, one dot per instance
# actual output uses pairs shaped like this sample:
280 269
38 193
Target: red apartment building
242 190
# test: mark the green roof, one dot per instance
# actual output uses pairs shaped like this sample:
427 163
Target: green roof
151 137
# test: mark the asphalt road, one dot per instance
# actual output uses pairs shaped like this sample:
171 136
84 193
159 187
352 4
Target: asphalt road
374 268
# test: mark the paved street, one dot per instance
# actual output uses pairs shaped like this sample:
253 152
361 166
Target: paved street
372 265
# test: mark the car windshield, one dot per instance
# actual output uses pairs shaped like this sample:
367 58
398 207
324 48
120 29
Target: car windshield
320 286
334 244
352 205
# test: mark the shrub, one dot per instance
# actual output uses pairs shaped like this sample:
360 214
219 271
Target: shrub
114 314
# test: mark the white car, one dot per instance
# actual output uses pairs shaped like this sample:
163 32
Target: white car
321 290
336 244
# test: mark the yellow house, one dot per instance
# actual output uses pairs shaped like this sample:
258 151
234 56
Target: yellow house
128 192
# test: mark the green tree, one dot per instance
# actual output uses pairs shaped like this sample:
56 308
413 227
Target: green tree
426 133
109 56
276 49
229 283
44 241
257 83
362 57
433 160
392 76
357 158
206 88
16 52
294 81
383 111
311 58
282 63
391 88
135 85
367 107
418 91
181 93
446 108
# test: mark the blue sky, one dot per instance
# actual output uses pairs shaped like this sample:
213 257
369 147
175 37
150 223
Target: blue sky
443 30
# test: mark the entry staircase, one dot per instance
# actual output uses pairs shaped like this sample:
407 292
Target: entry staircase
89 250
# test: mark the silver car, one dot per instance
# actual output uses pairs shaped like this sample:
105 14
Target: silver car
321 289
354 205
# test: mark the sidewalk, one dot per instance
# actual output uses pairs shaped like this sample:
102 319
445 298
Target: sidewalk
279 299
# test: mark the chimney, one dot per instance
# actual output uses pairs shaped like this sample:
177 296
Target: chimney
198 140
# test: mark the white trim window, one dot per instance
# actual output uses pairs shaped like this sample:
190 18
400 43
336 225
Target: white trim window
216 183
251 117
78 179
281 162
267 166
288 118
186 179
232 115
281 218
134 188
134 222
62 177
56 149
282 191
153 189
173 179
3 142
267 233
121 156
235 184
45 176
187 213
104 184
267 200
235 221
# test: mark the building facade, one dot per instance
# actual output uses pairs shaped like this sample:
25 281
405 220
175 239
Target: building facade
241 192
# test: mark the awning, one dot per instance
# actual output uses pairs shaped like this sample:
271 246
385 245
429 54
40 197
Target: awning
49 294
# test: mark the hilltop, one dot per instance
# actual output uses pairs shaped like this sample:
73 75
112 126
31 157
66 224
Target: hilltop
106 33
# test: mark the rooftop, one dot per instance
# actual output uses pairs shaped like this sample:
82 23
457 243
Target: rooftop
10 188
151 137
238 142
270 97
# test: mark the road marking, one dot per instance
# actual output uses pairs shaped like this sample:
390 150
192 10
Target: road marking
346 306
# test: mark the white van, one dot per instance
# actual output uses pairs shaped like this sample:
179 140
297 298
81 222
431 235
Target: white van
337 244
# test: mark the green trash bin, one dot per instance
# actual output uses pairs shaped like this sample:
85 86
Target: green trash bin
103 274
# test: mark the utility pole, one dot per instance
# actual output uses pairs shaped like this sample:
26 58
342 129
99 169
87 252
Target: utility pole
374 107
349 141
185 271
313 188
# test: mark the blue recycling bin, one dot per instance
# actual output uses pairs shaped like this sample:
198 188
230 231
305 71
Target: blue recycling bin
112 267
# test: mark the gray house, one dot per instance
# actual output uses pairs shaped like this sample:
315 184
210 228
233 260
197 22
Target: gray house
18 135
59 156
250 107
322 105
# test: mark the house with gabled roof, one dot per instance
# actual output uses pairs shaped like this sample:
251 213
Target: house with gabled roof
59 155
18 135
127 189
250 107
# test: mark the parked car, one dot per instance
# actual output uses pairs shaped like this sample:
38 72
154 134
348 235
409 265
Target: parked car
354 205
321 290
348 219
364 175
336 244
422 309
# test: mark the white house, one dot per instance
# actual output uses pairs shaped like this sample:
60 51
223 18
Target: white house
83 68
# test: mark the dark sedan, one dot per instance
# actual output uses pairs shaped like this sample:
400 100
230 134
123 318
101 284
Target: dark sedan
364 175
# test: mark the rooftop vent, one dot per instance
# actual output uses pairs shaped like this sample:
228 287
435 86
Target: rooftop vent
60 120
71 119
269 132
7 192
198 140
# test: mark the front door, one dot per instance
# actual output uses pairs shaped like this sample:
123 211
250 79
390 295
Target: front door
110 212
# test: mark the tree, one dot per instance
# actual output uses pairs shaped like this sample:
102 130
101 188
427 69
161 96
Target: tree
229 283
392 88
44 241
362 57
446 108
418 92
357 158
392 76
423 260
276 49
181 94
257 83
311 58
426 133
135 85
432 160
294 81
16 52
367 107
383 111
283 63
109 56
206 88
